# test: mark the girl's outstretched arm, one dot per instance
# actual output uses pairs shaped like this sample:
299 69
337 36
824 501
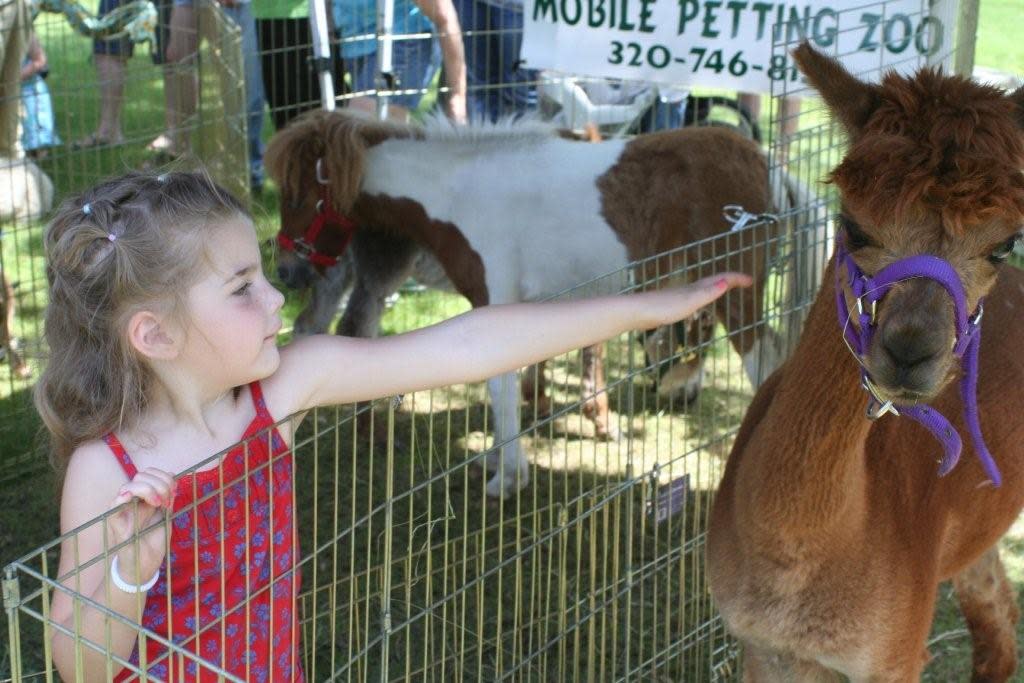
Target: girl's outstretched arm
488 341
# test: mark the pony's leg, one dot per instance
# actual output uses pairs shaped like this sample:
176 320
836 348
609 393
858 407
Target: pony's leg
19 368
382 263
989 605
327 293
765 666
511 468
595 402
535 390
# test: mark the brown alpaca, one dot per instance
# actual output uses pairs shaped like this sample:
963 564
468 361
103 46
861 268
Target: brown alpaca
830 533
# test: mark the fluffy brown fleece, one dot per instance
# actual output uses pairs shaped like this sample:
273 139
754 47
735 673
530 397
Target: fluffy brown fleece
941 143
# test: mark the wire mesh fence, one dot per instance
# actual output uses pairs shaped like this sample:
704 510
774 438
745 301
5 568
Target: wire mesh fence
594 571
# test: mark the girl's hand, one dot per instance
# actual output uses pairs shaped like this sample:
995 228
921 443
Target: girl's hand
153 489
666 306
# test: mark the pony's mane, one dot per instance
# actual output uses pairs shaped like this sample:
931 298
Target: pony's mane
340 141
507 129
941 144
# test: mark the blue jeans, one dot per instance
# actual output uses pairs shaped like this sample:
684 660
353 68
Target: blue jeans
241 14
414 63
662 115
493 37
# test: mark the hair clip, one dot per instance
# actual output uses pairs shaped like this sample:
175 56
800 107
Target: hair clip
87 208
111 236
162 178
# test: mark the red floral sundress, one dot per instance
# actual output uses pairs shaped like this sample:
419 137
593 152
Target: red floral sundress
227 592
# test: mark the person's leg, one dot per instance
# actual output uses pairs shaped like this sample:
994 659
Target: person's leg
473 17
164 141
182 45
110 69
14 26
110 58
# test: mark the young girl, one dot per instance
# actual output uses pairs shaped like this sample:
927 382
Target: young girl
38 132
162 334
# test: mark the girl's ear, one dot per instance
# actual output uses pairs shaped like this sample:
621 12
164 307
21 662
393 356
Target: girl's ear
153 337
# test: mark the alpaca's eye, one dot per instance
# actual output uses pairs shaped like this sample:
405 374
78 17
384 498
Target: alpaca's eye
1003 251
855 237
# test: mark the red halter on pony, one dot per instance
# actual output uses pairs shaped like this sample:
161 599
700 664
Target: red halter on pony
305 246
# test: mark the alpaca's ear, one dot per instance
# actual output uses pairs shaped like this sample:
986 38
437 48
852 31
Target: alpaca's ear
1017 97
852 101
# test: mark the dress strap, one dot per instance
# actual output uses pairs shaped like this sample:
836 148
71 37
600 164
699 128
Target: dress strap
256 392
125 460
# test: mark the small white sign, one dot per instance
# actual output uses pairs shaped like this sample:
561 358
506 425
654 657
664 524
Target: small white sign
728 43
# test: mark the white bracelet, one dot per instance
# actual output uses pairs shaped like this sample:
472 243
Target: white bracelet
123 585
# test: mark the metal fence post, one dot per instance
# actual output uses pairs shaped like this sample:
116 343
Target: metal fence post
318 27
12 600
966 36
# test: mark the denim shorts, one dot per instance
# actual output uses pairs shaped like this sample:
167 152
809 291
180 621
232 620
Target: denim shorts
414 63
122 47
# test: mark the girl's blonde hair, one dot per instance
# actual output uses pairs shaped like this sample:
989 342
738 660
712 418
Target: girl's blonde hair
128 244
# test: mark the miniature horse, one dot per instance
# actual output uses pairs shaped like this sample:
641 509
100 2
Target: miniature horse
514 212
831 532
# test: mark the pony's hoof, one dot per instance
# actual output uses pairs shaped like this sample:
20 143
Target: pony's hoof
503 486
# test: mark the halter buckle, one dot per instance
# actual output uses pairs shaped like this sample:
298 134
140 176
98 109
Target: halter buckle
976 320
874 308
883 407
303 249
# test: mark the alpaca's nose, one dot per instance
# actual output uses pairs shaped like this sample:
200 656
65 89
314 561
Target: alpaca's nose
910 348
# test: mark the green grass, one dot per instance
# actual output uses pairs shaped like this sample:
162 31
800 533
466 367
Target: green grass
999 45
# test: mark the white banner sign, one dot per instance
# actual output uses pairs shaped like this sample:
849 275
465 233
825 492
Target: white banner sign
728 43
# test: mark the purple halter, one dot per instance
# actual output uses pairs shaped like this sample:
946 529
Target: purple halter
869 291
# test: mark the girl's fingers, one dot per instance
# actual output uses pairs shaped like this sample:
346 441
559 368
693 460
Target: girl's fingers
724 282
161 481
704 291
153 490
